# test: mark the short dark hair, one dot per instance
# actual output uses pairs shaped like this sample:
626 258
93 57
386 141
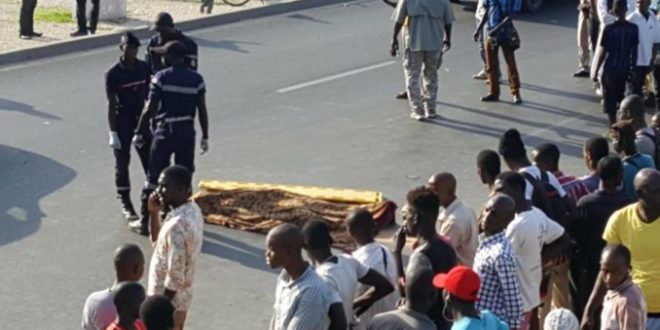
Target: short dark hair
157 313
316 234
423 199
619 250
609 168
179 176
489 161
126 293
511 145
547 153
597 148
512 179
360 219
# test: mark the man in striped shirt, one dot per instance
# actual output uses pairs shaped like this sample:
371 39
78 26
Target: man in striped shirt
546 157
618 56
495 263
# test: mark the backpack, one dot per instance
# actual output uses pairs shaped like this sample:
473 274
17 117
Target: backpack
656 139
546 198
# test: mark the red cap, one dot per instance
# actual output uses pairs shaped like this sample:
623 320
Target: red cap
461 282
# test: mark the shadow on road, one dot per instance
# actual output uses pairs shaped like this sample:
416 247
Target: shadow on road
307 18
25 178
231 45
9 105
224 247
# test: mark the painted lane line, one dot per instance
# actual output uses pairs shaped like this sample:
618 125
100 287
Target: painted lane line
334 77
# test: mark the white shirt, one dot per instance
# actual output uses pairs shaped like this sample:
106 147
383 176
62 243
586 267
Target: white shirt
535 172
379 258
649 34
99 310
528 232
605 17
458 223
343 277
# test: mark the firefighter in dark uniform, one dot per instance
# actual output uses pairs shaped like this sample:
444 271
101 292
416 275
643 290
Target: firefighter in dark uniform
164 26
126 85
177 94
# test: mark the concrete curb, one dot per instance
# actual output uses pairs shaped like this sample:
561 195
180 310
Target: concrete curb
91 42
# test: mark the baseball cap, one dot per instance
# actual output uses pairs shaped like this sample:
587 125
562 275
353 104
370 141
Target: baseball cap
163 19
461 282
561 319
128 38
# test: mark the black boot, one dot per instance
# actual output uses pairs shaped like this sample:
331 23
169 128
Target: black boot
141 225
127 208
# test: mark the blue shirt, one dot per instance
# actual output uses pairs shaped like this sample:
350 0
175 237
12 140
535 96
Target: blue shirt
178 88
632 165
498 9
620 41
487 321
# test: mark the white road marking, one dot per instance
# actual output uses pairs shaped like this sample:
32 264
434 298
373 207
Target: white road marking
334 77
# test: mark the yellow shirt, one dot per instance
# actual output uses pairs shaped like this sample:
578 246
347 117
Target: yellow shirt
643 239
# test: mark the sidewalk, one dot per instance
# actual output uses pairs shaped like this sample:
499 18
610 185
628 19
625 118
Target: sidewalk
139 12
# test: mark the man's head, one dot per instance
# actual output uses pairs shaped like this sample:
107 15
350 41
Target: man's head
460 289
361 226
420 293
488 166
421 210
157 313
623 138
129 263
643 5
129 45
594 150
174 52
512 184
316 235
174 186
655 121
284 245
620 8
127 297
512 149
444 185
496 215
647 188
546 157
164 25
632 107
615 265
610 171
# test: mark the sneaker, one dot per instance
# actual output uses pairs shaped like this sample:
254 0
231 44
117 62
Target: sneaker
137 227
129 213
517 99
78 33
582 73
482 75
402 96
432 115
490 98
416 116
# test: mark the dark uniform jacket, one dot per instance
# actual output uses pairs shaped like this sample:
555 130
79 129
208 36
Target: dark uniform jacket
155 60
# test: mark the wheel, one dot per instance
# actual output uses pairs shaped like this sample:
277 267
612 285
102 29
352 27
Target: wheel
235 3
532 5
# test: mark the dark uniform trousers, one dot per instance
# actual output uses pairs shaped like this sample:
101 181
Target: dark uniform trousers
27 16
614 89
81 15
176 139
125 131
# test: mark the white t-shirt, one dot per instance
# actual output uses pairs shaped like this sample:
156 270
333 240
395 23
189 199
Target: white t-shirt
649 34
99 310
343 277
535 172
528 232
606 17
379 258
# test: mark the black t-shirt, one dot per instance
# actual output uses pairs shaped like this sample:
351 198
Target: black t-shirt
130 85
442 258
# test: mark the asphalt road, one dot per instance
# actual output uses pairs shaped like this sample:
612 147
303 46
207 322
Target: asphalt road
304 98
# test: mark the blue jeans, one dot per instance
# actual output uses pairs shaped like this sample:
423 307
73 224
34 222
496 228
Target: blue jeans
653 323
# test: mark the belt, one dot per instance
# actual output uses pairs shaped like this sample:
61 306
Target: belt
172 120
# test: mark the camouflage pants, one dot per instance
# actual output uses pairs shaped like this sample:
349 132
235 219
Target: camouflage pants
418 65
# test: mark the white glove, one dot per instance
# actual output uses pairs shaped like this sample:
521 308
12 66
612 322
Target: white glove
138 141
114 141
204 145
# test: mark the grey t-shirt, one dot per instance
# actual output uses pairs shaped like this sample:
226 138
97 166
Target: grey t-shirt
99 311
401 319
644 143
426 20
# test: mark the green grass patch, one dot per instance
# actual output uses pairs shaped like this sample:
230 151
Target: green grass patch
53 15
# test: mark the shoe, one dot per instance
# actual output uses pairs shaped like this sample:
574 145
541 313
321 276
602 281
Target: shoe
482 75
599 91
25 36
517 99
78 33
137 227
431 115
402 96
92 32
416 116
582 73
36 34
490 98
129 212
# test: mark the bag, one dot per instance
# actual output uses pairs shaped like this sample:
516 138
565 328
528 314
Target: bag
546 198
656 139
505 34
